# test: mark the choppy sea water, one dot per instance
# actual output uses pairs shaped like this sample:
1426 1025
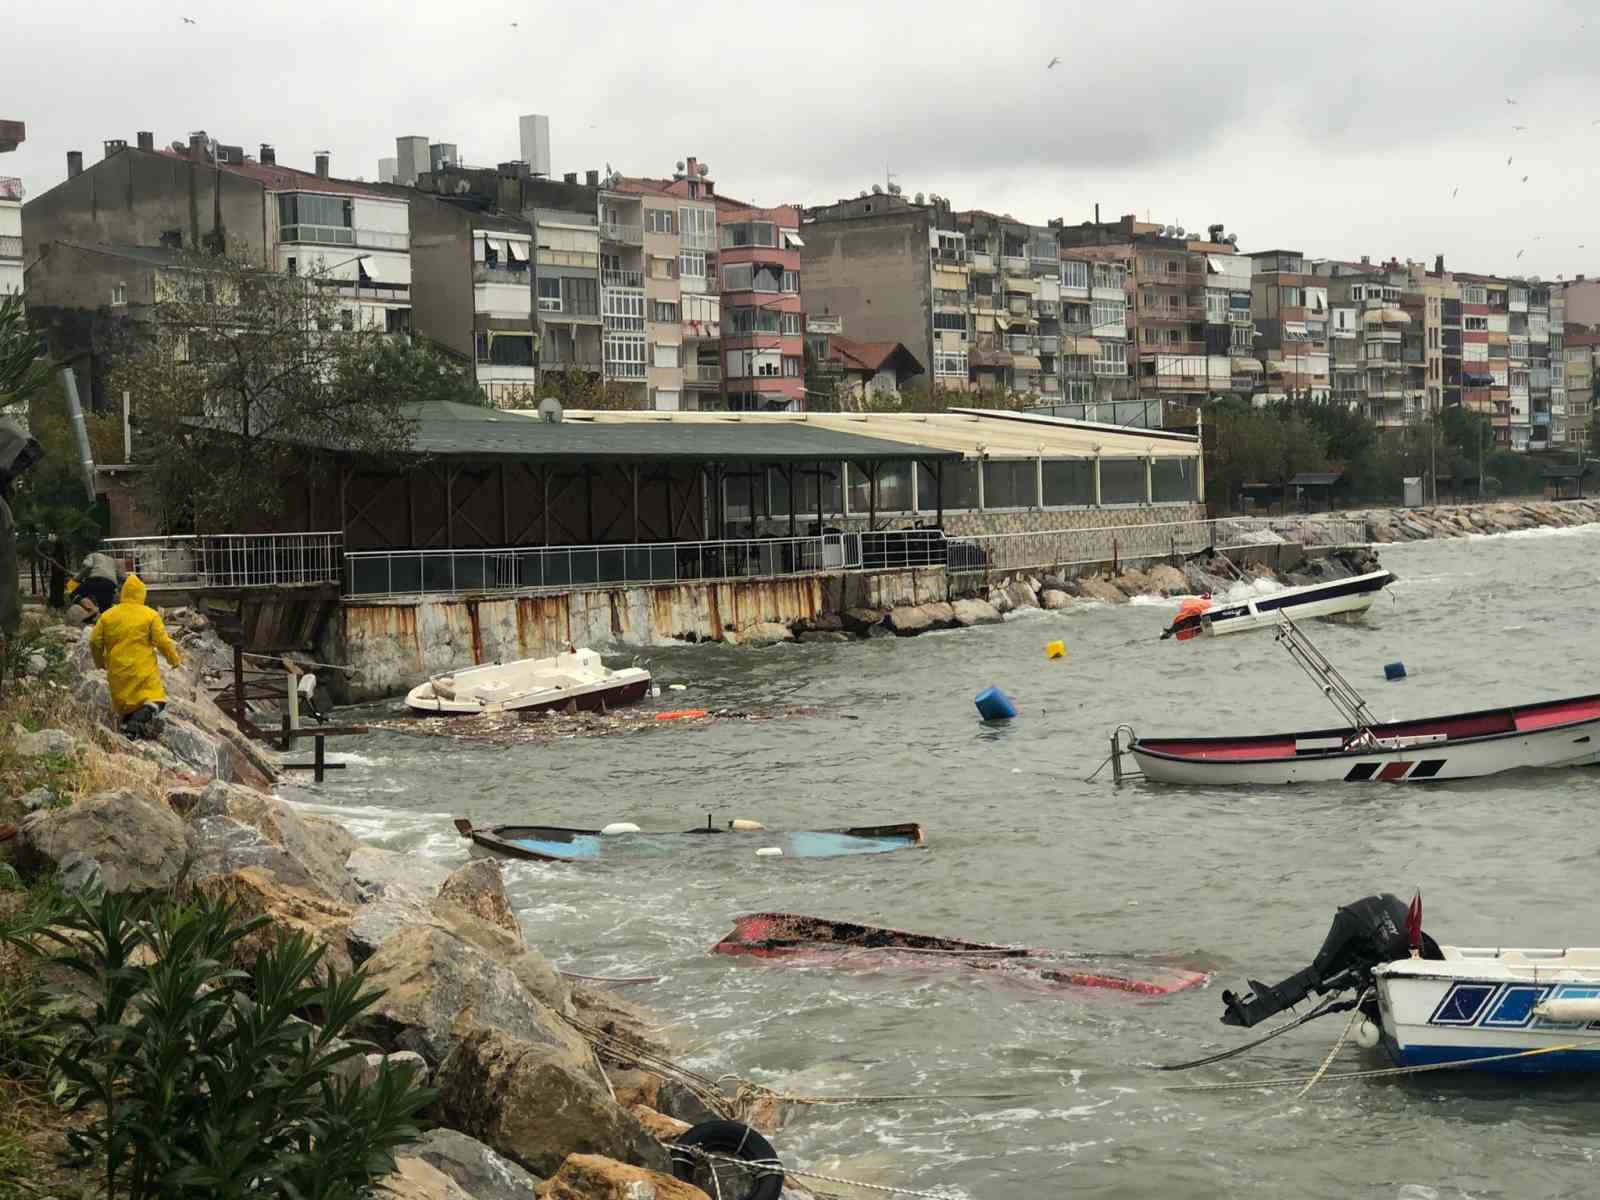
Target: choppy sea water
1022 850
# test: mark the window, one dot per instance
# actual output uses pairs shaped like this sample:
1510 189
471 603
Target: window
1110 275
738 277
1357 292
768 279
1122 481
750 233
1148 336
550 295
291 266
119 293
791 323
1174 337
743 364
949 298
1172 480
950 322
1068 482
1474 295
1477 324
662 268
1147 298
791 282
1111 358
696 227
581 297
1074 274
753 320
950 363
1010 483
508 350
1290 297
664 355
347 318
692 264
663 312
623 309
793 366
305 218
624 356
659 220
1147 265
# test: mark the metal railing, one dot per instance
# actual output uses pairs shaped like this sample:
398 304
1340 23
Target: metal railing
10 246
628 235
231 559
345 235
10 188
382 574
703 373
629 279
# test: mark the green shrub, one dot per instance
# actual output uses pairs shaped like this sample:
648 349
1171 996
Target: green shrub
203 1081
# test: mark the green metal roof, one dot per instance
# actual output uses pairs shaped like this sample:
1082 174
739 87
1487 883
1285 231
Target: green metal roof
463 431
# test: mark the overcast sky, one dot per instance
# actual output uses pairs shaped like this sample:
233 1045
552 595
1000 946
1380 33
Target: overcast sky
1341 128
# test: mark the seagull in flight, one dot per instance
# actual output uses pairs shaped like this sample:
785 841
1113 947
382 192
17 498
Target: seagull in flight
1051 63
1509 100
1508 160
1518 128
1453 191
1520 253
1524 179
190 21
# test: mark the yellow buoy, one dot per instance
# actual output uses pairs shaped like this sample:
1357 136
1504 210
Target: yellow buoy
1055 650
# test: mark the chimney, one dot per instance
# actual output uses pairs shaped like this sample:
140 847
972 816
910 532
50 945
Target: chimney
147 140
570 177
74 163
692 167
269 156
1438 264
114 146
322 164
592 178
1366 260
197 145
1097 214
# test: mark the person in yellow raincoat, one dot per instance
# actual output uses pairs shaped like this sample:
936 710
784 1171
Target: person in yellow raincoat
124 642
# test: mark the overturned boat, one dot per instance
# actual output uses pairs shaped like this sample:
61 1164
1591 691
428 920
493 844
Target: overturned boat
549 843
1484 1008
1199 615
1548 733
847 944
573 677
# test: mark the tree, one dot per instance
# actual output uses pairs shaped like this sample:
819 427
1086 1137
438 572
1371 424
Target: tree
415 369
24 369
240 371
585 389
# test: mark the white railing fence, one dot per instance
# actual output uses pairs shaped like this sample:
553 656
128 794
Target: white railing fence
232 559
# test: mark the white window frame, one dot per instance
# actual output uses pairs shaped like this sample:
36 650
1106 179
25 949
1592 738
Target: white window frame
548 303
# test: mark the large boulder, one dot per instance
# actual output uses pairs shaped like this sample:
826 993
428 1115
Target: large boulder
47 743
1023 594
763 633
480 889
296 852
120 839
591 1177
478 1170
506 947
415 1179
1053 599
1167 580
397 890
290 910
1097 587
526 1100
974 612
859 620
430 977
919 618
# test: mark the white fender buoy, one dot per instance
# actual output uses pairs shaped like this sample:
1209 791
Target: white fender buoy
1366 1035
746 826
1569 1010
617 827
770 852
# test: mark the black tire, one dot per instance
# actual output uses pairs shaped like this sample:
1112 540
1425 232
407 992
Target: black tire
735 1140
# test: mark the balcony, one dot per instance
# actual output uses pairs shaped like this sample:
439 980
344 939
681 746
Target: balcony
500 273
10 247
1049 343
617 369
1020 344
981 260
1016 264
951 258
565 359
344 235
626 235
623 279
695 240
10 188
702 375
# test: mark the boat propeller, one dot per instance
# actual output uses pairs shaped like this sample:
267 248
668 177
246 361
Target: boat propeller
1365 934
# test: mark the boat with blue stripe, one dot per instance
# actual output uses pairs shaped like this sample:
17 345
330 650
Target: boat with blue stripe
550 843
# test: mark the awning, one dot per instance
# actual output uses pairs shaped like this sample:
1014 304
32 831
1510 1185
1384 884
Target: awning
1385 316
1275 366
500 247
1248 364
1215 265
370 268
1025 362
478 244
1295 330
516 252
1079 345
1028 287
792 240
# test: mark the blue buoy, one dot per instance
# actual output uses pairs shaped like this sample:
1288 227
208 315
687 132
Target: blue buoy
1394 670
994 705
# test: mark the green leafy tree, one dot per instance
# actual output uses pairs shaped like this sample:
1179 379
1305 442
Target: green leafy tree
241 370
412 368
585 389
24 367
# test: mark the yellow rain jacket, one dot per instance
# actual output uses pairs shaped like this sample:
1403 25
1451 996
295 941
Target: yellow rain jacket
125 641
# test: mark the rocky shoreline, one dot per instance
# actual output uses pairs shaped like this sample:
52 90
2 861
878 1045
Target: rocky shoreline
540 1082
1383 525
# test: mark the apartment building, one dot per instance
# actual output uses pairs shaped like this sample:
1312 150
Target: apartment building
1289 305
1188 309
349 237
1579 348
1558 369
11 194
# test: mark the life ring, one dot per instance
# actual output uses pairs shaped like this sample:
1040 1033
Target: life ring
731 1139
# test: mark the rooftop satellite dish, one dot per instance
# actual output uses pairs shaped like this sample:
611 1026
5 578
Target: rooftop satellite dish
679 164
877 189
1180 231
704 169
550 410
180 147
863 194
918 197
894 189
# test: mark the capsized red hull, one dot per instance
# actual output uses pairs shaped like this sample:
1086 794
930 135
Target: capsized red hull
792 937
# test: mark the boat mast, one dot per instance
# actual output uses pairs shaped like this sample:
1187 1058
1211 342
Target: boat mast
1325 675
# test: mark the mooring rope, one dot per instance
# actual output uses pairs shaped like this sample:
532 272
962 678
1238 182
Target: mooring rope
1381 1073
1337 1045
775 1166
1327 1007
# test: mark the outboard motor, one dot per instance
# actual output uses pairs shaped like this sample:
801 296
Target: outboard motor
1365 934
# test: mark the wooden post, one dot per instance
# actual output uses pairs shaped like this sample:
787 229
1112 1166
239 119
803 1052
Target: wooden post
819 499
872 496
287 740
292 708
794 501
505 509
634 472
938 490
238 684
588 499
319 761
450 508
544 482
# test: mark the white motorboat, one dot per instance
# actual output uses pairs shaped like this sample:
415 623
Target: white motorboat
1549 733
1353 595
575 677
1492 1009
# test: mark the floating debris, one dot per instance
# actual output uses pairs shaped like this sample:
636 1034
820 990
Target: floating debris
544 727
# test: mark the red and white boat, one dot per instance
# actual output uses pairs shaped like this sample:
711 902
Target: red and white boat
1550 733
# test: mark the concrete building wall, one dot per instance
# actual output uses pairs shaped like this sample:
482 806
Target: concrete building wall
441 273
137 197
872 272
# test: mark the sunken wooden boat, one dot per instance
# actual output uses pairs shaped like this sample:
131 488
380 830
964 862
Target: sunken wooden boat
1353 595
549 843
793 937
574 677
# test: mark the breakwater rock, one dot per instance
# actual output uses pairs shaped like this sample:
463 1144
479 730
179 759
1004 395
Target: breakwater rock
1434 521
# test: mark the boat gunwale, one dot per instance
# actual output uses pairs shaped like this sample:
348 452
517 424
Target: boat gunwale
490 837
1140 745
1233 610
